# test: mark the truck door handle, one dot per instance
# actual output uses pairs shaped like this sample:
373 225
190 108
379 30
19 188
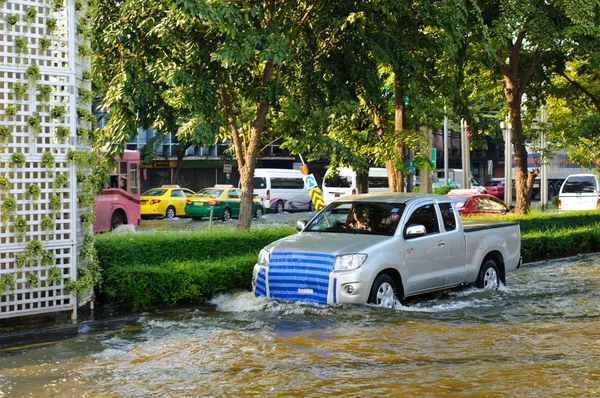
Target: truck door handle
441 244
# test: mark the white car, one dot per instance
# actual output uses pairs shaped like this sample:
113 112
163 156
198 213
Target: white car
579 192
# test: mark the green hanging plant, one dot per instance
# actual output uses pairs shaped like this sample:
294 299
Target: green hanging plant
86 115
33 280
58 112
20 225
86 75
5 134
20 91
44 92
18 159
4 184
10 111
44 44
54 276
62 133
9 207
61 180
30 14
34 250
48 160
78 5
88 220
48 223
12 20
32 73
55 203
7 283
35 122
48 258
57 4
85 95
21 45
51 25
33 192
84 51
87 200
83 159
20 259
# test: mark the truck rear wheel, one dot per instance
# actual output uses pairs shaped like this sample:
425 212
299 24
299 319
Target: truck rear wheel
489 276
383 292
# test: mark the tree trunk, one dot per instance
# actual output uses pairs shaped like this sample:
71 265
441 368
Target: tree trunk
362 181
247 168
399 127
523 178
180 155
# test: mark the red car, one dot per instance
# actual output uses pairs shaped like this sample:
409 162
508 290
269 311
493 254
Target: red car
471 202
495 187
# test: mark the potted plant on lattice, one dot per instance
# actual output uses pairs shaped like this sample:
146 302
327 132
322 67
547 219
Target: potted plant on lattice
33 280
20 225
33 192
55 276
48 162
9 208
5 135
18 159
48 225
5 184
36 124
10 112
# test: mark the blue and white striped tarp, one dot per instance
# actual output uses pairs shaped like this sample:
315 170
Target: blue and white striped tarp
300 276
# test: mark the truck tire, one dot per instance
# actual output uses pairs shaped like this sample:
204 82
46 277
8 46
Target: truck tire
551 191
383 292
489 276
279 207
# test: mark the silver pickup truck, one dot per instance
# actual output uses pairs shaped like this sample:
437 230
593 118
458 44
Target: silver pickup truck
382 248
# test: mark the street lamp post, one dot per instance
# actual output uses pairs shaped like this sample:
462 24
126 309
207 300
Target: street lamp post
544 166
445 148
506 130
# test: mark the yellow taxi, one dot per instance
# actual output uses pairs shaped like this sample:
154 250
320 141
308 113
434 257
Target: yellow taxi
167 201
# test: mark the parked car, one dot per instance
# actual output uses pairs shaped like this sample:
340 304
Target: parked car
580 192
224 201
471 202
495 187
167 201
410 245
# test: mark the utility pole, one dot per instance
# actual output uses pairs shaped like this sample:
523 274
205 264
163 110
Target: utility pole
506 129
466 155
445 148
544 164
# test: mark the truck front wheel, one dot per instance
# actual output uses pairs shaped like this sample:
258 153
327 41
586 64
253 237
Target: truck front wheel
488 276
383 292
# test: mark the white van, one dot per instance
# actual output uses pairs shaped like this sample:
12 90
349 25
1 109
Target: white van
345 183
579 192
281 189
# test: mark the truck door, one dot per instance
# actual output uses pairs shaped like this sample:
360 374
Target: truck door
425 257
456 244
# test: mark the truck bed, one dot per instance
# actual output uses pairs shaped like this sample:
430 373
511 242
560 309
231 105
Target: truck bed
479 225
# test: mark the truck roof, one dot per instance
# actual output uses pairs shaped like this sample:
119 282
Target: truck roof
392 197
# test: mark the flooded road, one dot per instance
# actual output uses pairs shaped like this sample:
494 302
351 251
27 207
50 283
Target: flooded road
538 336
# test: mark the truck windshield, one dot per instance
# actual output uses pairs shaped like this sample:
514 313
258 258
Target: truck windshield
358 218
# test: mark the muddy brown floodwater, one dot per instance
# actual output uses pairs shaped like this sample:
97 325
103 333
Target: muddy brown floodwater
538 336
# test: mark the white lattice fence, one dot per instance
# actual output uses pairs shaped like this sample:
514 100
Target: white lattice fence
41 78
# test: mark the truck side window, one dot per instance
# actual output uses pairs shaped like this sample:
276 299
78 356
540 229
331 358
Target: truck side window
426 216
448 216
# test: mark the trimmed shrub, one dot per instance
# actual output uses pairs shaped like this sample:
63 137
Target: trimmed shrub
158 248
141 286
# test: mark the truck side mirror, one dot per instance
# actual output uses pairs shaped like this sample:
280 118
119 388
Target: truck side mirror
300 224
414 231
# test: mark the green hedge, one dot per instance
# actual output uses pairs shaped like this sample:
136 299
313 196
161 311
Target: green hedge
156 248
146 269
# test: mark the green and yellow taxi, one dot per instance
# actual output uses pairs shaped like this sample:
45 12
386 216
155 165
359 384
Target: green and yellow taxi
224 200
167 201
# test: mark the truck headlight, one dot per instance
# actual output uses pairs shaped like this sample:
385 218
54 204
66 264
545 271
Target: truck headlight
263 258
349 262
